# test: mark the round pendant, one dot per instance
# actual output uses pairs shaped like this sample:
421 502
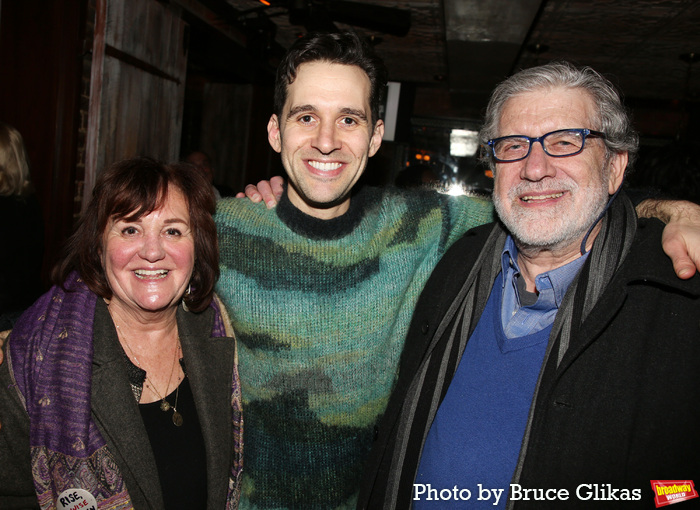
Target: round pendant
164 405
177 418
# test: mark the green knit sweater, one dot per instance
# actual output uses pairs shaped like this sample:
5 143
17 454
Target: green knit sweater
320 309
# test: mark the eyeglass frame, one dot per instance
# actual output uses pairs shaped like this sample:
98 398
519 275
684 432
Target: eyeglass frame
584 132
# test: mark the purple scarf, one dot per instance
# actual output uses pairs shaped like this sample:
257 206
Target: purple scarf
50 355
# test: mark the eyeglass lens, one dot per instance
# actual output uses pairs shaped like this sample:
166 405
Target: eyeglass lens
558 143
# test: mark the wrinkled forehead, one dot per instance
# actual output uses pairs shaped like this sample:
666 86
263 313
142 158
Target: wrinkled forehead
539 111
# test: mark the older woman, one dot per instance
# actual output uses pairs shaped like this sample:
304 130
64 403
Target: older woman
120 387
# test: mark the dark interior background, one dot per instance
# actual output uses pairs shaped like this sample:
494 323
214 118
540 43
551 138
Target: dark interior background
446 55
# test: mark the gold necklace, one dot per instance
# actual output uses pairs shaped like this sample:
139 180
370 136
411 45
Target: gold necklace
164 404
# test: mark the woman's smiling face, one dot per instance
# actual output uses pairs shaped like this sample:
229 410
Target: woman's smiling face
148 262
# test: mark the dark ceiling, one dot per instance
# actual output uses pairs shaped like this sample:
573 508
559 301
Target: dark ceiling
456 50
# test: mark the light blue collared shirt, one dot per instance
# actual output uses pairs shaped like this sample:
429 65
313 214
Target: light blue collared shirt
519 320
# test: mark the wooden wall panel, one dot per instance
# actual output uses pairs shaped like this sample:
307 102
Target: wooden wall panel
137 84
141 113
148 31
225 130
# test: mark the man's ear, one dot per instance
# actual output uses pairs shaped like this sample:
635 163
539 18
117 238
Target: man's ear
618 165
376 140
273 133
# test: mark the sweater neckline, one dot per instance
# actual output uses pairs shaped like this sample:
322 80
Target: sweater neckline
319 229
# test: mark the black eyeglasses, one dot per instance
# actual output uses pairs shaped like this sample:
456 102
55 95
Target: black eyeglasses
557 144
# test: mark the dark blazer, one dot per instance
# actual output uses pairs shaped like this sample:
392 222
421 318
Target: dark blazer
622 407
210 363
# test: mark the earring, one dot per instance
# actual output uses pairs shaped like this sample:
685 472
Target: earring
188 292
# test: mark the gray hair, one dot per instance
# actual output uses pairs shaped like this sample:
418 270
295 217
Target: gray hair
612 118
14 164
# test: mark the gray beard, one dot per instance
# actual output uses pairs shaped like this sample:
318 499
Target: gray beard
558 227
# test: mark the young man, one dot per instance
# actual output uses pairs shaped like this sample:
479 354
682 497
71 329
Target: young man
555 350
321 289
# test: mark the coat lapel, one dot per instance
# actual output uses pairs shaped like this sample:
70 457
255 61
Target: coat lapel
641 268
209 363
117 415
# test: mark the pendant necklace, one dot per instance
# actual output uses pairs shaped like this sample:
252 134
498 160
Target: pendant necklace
165 406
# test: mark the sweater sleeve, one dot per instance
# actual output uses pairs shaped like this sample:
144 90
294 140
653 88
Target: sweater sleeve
467 212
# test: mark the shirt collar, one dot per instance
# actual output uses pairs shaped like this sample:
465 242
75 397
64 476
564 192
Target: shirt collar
557 279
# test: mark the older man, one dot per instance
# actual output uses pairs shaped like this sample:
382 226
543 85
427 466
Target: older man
553 358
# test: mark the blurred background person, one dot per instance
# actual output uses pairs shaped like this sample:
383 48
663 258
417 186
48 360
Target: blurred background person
21 230
202 162
135 396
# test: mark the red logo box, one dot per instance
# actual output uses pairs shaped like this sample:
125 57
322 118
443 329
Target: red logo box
668 492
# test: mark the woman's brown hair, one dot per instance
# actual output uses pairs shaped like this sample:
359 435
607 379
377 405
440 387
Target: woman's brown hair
129 190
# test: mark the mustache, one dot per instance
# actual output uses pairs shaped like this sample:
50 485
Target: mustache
525 188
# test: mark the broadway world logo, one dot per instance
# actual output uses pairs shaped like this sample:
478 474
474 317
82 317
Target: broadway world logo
668 492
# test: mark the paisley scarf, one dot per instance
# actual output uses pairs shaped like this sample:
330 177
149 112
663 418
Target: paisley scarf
50 355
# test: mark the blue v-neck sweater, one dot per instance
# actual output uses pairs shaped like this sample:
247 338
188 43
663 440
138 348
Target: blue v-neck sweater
476 435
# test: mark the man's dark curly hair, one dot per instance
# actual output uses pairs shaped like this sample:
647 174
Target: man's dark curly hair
336 48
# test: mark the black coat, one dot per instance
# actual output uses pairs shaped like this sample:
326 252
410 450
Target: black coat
620 410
